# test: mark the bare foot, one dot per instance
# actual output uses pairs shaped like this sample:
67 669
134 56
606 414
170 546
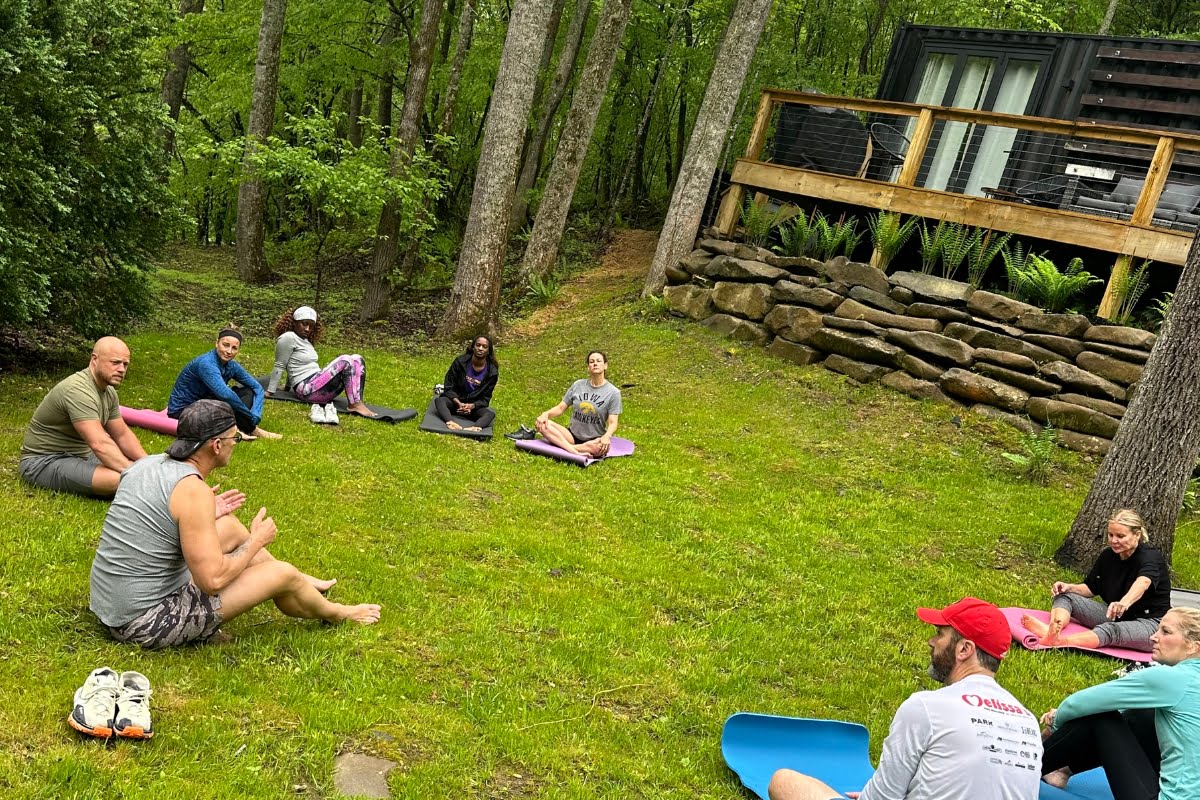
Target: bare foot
264 434
320 585
365 614
454 426
362 410
248 437
1058 778
474 428
1047 636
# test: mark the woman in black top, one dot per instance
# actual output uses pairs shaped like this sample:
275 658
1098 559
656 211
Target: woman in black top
469 384
1130 576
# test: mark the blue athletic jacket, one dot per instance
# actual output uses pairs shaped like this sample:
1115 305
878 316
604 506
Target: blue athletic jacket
205 377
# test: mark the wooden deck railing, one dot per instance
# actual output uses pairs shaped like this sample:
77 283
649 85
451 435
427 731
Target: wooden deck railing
1135 237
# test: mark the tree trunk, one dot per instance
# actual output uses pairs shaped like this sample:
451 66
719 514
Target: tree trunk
387 80
1106 25
542 251
874 25
466 28
377 294
691 189
476 292
251 260
175 81
1152 457
689 42
355 128
532 163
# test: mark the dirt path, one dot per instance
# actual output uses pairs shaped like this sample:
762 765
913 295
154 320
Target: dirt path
623 268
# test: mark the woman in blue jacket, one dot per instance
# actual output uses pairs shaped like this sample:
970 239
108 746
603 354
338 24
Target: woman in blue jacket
207 377
1143 728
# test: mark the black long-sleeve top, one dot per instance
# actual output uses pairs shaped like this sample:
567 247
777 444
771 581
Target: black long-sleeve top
456 383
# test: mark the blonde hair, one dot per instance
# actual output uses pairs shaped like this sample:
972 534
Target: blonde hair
1132 520
1189 622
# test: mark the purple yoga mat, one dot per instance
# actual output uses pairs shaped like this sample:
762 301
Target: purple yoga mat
151 420
620 447
1030 642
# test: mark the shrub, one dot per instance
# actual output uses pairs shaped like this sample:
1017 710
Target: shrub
757 223
1037 461
800 238
957 242
1040 282
931 245
1161 307
888 235
1128 289
985 246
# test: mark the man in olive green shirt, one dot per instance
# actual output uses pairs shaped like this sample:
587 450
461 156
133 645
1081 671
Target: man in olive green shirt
77 441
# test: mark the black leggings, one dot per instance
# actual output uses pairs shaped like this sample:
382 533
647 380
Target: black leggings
1124 743
482 417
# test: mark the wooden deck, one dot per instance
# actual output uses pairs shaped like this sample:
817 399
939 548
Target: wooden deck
1131 238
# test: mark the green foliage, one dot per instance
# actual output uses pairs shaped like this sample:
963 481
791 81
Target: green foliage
1191 497
654 307
757 222
1016 262
83 209
985 246
889 235
931 245
1128 288
1039 452
1040 282
1161 307
957 242
541 292
802 236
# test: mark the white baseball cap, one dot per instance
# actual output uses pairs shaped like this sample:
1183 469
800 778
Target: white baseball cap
304 313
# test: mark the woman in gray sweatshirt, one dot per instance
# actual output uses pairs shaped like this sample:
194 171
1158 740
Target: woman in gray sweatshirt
297 332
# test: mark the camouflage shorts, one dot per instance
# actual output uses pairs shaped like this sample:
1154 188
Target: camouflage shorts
187 615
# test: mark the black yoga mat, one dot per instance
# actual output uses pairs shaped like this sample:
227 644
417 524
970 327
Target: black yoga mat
382 413
432 423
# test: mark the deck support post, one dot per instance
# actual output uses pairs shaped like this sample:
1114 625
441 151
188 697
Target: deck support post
1143 213
731 204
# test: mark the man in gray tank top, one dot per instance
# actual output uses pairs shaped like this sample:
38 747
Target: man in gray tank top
174 562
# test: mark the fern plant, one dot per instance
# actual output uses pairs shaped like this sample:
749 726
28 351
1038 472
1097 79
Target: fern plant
1016 260
956 245
985 246
757 223
847 236
889 235
1036 462
541 292
1040 282
1128 289
1161 307
799 238
931 245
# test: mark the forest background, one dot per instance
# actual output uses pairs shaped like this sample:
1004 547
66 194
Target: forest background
124 127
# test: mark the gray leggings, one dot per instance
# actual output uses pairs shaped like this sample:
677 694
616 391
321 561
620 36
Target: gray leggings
1132 634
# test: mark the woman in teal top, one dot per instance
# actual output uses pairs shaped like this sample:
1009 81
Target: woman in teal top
1143 728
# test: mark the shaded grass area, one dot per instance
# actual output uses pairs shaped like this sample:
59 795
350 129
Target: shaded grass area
547 631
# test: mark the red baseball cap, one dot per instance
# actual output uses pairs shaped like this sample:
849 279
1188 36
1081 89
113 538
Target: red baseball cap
974 619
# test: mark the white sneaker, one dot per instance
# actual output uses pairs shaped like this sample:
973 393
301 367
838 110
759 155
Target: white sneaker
331 417
133 707
317 414
95 704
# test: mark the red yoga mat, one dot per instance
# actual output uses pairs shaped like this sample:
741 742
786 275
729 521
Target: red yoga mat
1030 642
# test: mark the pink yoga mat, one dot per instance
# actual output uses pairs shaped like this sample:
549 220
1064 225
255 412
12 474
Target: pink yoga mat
620 447
1030 642
156 421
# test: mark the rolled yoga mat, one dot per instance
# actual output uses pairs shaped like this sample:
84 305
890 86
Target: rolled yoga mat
151 420
383 413
835 753
1030 642
432 423
619 447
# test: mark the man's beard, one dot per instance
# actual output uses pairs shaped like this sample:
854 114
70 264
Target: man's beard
941 663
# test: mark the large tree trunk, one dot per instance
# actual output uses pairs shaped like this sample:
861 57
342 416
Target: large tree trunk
175 81
532 163
542 252
476 292
466 28
377 294
1152 457
724 85
1106 25
387 79
251 260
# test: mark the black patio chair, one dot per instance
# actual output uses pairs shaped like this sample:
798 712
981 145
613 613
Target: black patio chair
1047 192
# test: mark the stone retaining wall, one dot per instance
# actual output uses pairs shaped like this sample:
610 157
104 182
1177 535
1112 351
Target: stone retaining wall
931 338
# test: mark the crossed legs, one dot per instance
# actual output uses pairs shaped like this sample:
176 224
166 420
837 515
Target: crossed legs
559 436
294 593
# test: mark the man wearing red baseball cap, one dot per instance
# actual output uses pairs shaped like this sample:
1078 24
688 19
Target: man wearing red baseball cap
969 740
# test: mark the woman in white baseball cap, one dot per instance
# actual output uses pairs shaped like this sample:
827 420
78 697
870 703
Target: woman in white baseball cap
297 332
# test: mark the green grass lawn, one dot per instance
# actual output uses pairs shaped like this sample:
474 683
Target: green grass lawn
547 631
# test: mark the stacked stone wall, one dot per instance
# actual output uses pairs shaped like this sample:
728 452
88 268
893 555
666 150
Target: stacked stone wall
931 338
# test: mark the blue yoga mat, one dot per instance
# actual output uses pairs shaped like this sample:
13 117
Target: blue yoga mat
835 753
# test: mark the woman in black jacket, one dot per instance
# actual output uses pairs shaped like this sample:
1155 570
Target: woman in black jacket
469 384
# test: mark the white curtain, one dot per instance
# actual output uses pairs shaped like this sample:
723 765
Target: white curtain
972 89
993 153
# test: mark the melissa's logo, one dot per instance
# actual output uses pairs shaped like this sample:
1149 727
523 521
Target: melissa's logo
976 701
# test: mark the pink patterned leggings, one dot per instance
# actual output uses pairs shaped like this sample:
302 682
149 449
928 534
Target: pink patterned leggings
344 373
